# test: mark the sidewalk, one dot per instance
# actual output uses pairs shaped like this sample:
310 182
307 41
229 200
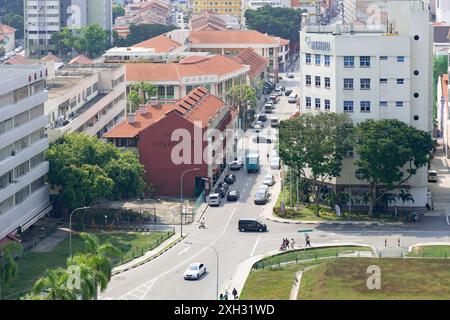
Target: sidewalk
244 268
149 255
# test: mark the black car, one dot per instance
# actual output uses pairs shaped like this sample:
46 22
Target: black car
287 92
230 178
232 195
251 225
262 117
263 139
290 75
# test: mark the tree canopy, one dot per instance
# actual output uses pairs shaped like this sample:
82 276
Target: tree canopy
141 32
389 153
88 170
118 11
276 21
16 21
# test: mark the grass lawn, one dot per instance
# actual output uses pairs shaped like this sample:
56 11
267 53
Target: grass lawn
33 264
430 251
345 279
301 254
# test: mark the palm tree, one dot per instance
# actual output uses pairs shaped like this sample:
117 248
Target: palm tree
87 288
8 267
405 196
97 258
52 286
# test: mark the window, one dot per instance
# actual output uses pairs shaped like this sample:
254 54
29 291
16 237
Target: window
37 159
220 88
327 82
365 106
317 103
348 106
308 102
5 179
171 91
400 59
308 58
383 57
22 143
37 184
317 81
399 104
161 91
383 80
7 204
349 62
21 118
6 125
317 59
327 104
400 81
383 104
22 195
308 80
364 62
365 84
327 61
37 111
21 169
348 84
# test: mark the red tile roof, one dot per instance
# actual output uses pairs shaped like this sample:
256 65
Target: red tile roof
256 62
231 37
194 66
6 29
207 20
51 57
161 43
80 59
18 59
198 106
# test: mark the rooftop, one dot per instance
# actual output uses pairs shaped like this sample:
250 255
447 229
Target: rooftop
161 43
256 62
16 71
232 37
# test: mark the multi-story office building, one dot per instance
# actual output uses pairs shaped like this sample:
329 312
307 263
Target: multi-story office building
41 20
80 13
372 75
231 7
24 195
85 98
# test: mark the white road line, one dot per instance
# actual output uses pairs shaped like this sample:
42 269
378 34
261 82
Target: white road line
183 251
254 247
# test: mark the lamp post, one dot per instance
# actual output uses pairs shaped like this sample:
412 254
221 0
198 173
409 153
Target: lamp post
70 226
217 264
181 195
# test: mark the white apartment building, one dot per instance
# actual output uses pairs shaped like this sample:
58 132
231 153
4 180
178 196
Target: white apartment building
24 195
372 75
41 20
86 98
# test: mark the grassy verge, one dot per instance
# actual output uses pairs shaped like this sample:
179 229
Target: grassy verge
33 264
297 255
346 278
430 252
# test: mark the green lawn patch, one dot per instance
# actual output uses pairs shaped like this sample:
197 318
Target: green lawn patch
430 252
33 264
345 279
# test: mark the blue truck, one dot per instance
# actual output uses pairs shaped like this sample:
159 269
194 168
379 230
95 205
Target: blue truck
252 162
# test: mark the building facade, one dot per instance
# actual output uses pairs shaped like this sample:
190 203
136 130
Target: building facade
85 98
41 20
24 195
372 75
231 7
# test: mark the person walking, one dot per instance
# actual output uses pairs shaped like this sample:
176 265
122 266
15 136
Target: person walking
307 240
292 243
225 296
221 296
235 293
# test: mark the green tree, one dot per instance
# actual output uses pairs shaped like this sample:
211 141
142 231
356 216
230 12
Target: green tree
93 40
16 21
318 143
52 286
118 11
142 32
135 100
405 196
145 90
64 40
8 267
390 153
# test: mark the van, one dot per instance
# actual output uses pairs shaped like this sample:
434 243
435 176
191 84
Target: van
274 123
248 224
268 108
262 195
432 176
292 98
214 199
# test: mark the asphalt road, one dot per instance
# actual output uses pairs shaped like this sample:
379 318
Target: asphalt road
162 278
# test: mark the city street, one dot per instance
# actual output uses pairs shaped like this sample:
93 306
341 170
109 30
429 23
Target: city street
162 278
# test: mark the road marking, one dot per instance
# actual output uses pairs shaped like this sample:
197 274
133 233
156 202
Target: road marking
183 251
254 247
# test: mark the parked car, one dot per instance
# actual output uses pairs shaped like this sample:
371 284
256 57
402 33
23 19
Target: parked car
262 117
290 75
275 163
233 195
248 224
221 191
195 271
214 199
278 91
274 98
288 92
268 107
269 180
292 98
432 176
230 179
274 122
258 126
261 196
236 165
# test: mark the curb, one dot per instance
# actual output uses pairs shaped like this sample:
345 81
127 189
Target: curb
424 244
171 245
349 223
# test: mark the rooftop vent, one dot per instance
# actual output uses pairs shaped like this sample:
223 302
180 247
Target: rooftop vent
143 109
131 118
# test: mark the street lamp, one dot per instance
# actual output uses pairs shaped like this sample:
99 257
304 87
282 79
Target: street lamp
181 196
70 226
217 264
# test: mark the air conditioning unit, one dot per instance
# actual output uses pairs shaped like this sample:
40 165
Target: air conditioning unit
13 153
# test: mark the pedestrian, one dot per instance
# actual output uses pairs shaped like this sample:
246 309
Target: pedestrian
287 243
225 296
292 243
221 296
307 240
235 293
428 207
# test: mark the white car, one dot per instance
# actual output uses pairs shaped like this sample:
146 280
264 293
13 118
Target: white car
214 200
258 126
275 163
269 180
195 271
